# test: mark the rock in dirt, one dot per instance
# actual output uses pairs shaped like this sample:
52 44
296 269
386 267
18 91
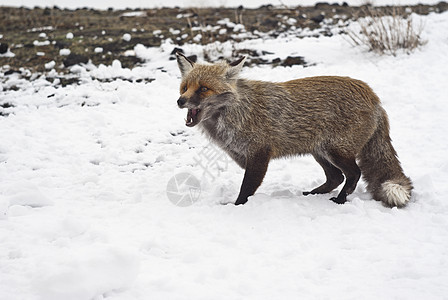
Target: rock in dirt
3 48
74 59
293 60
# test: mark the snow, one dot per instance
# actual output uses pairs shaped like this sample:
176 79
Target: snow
126 37
64 52
7 54
72 279
50 65
134 14
41 43
25 193
84 171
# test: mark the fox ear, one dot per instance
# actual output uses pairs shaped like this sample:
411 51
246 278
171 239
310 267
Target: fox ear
235 69
185 65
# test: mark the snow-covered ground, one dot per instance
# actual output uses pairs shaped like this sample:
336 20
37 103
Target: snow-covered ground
84 170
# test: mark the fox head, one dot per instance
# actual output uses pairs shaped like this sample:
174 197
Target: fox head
206 89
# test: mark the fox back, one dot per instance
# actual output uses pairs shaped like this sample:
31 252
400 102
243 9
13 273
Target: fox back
333 118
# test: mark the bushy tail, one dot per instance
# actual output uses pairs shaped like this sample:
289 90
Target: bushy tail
381 168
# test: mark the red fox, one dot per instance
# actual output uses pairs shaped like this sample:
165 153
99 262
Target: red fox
338 120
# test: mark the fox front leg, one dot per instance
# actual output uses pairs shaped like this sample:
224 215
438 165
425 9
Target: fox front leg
256 167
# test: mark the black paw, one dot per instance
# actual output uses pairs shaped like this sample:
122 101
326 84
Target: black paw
313 192
339 200
240 201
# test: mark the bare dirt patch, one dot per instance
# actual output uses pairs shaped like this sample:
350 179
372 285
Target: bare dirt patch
37 36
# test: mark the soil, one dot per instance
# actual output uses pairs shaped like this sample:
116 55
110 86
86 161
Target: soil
37 35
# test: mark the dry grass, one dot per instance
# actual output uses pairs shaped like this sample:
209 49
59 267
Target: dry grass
388 33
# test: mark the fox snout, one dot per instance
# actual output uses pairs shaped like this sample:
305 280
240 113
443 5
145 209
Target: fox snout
194 115
181 102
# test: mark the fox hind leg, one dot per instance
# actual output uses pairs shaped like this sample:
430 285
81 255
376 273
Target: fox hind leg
352 174
333 174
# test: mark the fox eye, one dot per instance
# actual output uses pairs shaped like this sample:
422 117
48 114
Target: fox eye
184 89
204 89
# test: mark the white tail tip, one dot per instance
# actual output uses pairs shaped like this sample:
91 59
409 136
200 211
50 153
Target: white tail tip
396 194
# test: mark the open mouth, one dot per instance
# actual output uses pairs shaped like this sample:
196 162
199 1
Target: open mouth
192 117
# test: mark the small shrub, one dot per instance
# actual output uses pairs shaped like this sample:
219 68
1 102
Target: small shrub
388 33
